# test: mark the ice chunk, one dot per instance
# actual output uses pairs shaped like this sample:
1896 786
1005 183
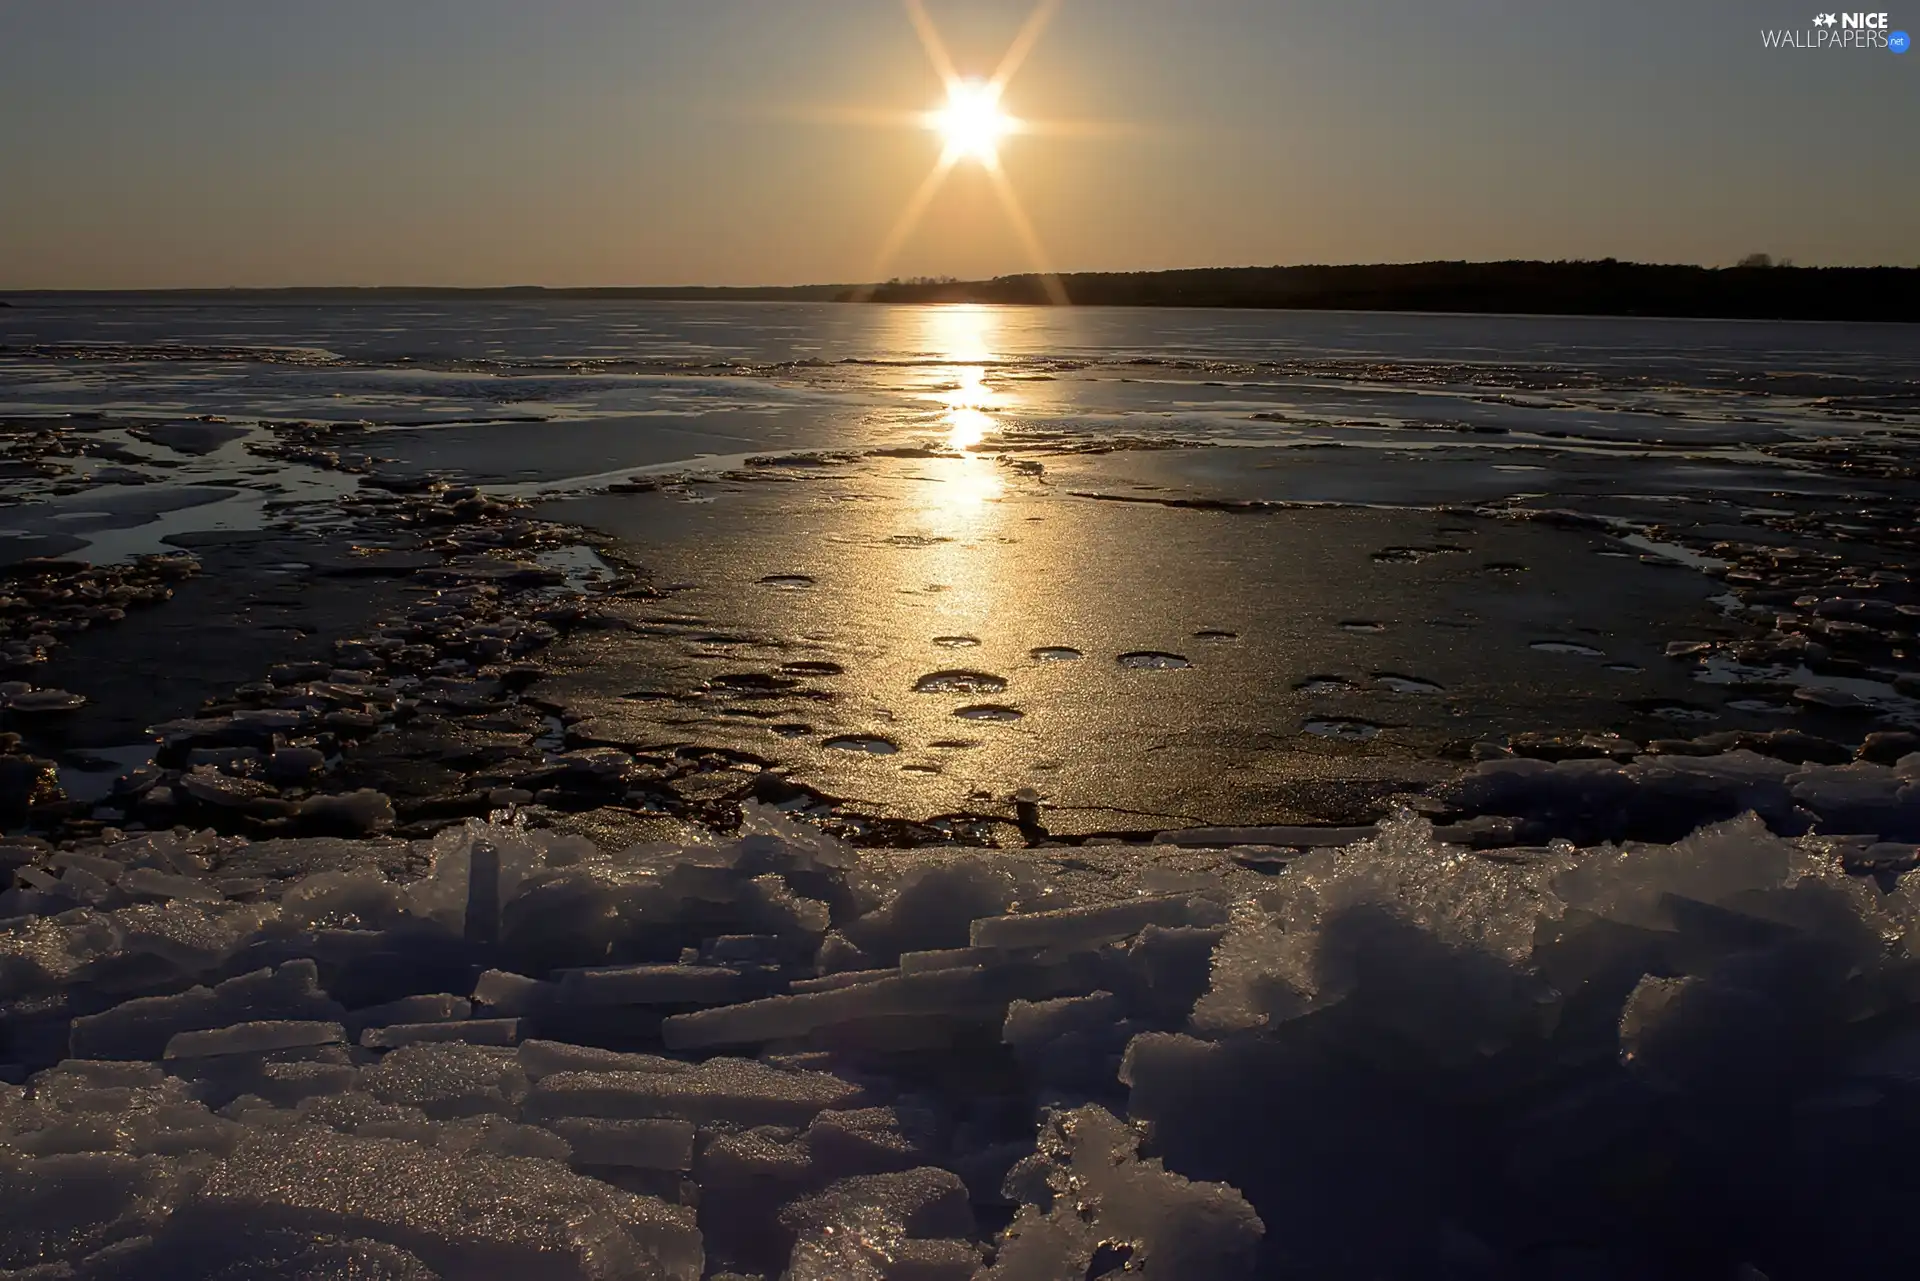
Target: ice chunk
765 829
1271 837
70 1078
1072 1040
868 1140
1167 969
445 895
1071 927
288 1084
181 1130
83 886
358 813
437 1008
1654 798
483 891
639 1145
501 1137
765 1159
949 958
193 937
1738 865
652 985
470 1031
738 1091
141 1028
768 904
253 1038
1872 799
359 898
846 978
347 1113
1104 1194
745 1180
1371 926
859 1227
1038 1248
932 906
511 994
256 1254
146 881
1030 1024
967 994
745 950
109 870
36 952
544 1058
69 1135
448 1081
36 879
470 1217
57 1208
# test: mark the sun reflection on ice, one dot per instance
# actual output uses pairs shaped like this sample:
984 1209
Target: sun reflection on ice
966 418
963 335
968 483
959 332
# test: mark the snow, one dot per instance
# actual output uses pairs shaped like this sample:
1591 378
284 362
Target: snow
778 1056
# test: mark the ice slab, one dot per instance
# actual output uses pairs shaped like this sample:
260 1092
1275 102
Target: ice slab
254 1038
961 994
468 1031
738 1091
449 1080
465 1215
1106 1196
652 985
142 1027
1080 926
639 1144
544 1058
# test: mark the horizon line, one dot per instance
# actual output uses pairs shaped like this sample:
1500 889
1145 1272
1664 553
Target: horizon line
1784 265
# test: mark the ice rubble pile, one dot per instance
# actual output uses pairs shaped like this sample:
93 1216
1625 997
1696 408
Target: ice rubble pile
775 1056
1663 797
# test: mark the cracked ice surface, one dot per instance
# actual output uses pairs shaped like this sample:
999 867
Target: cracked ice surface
772 1055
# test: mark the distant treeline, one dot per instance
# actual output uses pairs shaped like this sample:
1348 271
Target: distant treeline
434 293
1605 288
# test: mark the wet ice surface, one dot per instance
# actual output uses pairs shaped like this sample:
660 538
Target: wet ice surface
1469 527
1302 1053
1154 719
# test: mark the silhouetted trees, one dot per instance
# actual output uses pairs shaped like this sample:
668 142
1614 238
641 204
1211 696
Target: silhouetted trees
1604 287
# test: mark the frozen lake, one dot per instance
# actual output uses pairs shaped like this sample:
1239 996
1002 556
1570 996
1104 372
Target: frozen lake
1349 546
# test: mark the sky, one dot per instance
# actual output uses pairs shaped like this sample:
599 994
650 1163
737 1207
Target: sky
657 142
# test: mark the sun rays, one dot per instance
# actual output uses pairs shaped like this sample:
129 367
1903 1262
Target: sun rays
971 125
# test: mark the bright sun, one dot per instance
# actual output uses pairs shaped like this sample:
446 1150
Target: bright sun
972 122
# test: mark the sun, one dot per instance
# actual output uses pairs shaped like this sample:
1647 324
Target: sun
972 123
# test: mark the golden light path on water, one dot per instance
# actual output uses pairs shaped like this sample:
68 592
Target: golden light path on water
959 504
964 333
